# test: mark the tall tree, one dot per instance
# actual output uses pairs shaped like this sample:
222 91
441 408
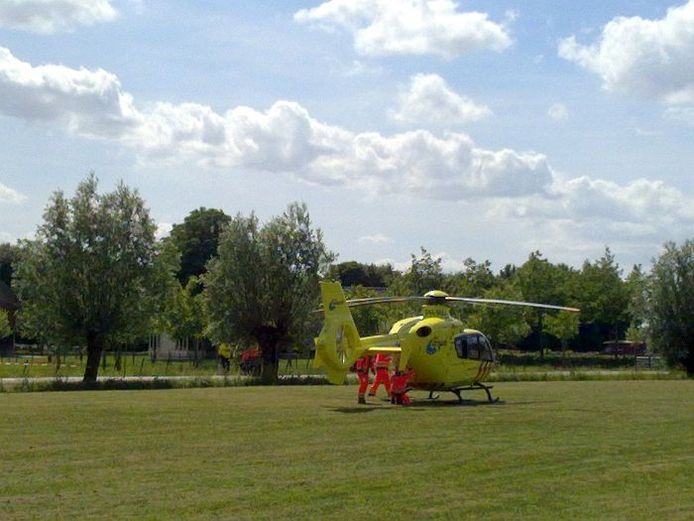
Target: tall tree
475 279
543 282
637 289
352 273
94 273
604 298
425 274
370 320
263 284
185 315
564 326
5 327
197 239
9 253
502 324
670 309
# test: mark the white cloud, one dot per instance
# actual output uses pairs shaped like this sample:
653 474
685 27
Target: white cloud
595 209
558 112
649 58
681 114
376 239
51 16
286 140
429 101
163 230
10 196
646 132
90 102
387 27
358 68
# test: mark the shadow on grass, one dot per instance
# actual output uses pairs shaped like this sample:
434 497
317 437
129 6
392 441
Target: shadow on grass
417 405
426 404
356 410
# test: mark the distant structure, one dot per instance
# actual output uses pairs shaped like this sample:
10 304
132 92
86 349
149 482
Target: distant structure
624 347
163 347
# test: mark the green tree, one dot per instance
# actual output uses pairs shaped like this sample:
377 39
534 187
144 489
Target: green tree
352 273
5 327
185 315
542 282
604 301
425 274
9 254
94 274
564 326
475 279
502 324
670 309
637 290
370 320
263 284
604 296
197 239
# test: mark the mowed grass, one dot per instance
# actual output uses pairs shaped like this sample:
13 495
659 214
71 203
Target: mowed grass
550 450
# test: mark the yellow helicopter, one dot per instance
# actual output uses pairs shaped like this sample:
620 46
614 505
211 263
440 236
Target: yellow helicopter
444 355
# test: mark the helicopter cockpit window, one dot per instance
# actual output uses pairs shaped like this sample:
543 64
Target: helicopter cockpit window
461 346
467 346
486 352
473 347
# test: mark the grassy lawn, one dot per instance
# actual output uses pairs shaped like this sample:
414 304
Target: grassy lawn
551 450
138 365
513 366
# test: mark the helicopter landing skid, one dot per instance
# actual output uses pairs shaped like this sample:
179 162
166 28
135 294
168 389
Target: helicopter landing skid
474 387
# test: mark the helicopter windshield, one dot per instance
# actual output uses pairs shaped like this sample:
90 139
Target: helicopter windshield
473 346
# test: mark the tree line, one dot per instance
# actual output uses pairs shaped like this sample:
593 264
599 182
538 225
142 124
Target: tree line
94 275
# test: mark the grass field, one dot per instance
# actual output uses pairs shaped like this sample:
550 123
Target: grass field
550 450
513 366
138 365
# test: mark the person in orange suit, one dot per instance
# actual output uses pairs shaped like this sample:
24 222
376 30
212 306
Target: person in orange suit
382 363
398 387
361 367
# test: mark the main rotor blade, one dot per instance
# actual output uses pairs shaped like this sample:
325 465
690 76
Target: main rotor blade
356 302
469 300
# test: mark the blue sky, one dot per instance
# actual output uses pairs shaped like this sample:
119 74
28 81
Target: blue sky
474 129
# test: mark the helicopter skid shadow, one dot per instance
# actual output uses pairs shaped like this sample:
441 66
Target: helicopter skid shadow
416 406
456 403
355 410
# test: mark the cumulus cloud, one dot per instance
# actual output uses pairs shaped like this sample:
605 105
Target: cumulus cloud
163 230
386 27
10 196
51 16
90 102
649 58
285 139
376 239
596 209
429 101
558 112
681 114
